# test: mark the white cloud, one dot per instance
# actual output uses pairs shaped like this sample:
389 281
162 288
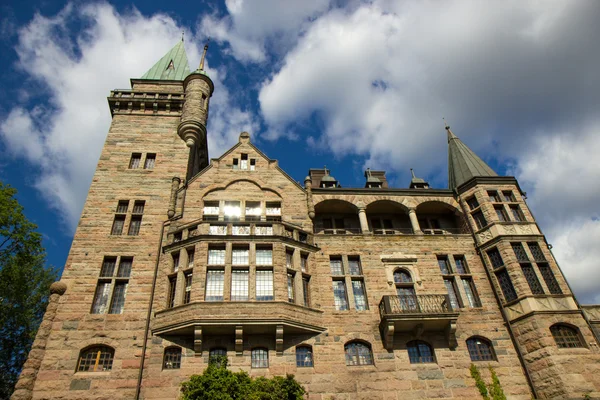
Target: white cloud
76 70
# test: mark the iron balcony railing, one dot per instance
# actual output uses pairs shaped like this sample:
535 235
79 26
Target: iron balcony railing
415 304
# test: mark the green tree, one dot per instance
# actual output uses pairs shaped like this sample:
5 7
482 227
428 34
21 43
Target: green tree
24 284
219 383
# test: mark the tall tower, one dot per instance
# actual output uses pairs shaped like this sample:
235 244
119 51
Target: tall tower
555 341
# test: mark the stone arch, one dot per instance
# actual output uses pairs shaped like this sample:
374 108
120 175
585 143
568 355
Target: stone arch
405 203
256 182
446 203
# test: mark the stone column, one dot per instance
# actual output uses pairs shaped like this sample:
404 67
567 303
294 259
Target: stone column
362 217
24 386
173 200
414 222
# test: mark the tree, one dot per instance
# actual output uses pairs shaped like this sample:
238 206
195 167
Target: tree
219 383
24 284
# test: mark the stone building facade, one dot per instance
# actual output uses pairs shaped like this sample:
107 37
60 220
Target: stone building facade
361 293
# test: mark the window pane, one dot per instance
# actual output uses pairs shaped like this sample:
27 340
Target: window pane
253 209
508 196
96 359
549 278
172 290
339 294
117 227
479 219
108 266
336 266
304 356
101 298
273 208
360 298
138 207
565 336
444 265
122 206
260 358
216 257
501 214
506 285
134 226
420 352
232 210
493 196
264 285
536 251
306 288
354 266
175 262
150 158
264 257
289 259
516 213
480 350
214 285
188 288
118 300
125 267
304 262
495 258
211 208
239 285
532 279
473 203
461 265
402 277
290 287
239 257
471 292
452 293
135 161
216 352
172 359
520 252
358 354
190 254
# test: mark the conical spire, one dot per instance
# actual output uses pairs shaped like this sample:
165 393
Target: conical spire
463 163
172 66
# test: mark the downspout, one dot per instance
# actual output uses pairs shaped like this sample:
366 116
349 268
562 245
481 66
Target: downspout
149 315
502 311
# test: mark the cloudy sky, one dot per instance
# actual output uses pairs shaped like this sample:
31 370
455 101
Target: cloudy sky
349 84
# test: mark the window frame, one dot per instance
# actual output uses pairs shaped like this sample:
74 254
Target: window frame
305 352
256 357
353 355
172 354
562 340
415 344
475 349
98 348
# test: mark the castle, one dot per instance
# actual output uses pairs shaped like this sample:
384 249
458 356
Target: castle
361 293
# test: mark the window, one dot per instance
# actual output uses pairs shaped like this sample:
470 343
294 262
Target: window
264 256
172 358
339 295
210 211
110 287
479 220
95 359
253 211
289 259
444 265
306 287
495 258
549 278
508 196
214 285
244 162
420 352
304 356
172 291
472 203
358 354
405 290
232 211
188 288
354 267
452 293
566 336
501 213
239 256
506 285
461 265
304 262
236 163
471 292
122 206
273 210
264 285
493 195
335 262
118 223
252 164
138 206
516 213
480 349
177 236
239 285
260 358
215 353
150 160
532 279
135 160
175 262
536 252
190 254
134 225
290 287
216 255
520 252
360 297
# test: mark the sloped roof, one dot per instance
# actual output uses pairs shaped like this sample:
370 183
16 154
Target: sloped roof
463 163
172 66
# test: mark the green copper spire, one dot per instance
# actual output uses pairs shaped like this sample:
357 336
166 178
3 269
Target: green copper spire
173 66
463 164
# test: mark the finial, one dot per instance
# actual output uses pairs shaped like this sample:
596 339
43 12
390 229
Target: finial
413 173
446 126
325 169
204 55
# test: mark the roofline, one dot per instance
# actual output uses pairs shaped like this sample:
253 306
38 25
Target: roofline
476 180
404 191
168 81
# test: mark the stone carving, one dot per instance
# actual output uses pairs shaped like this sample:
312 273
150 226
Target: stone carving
485 236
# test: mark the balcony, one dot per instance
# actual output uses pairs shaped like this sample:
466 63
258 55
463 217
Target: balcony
416 314
237 318
397 231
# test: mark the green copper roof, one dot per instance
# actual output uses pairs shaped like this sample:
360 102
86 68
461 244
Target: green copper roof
173 66
463 164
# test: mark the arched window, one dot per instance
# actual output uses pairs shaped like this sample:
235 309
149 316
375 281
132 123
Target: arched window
216 353
405 289
260 358
566 336
420 352
480 349
304 356
358 353
96 359
172 358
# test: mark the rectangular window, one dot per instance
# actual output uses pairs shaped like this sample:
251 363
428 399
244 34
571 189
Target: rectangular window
175 262
135 160
360 297
516 213
138 206
461 265
452 293
150 159
134 225
118 223
444 265
501 213
305 290
122 206
211 208
125 267
232 210
335 263
520 252
290 287
190 254
479 220
214 285
244 162
506 285
264 285
177 237
273 209
532 279
188 288
172 289
495 258
108 266
289 259
253 211
472 203
304 262
508 196
536 251
471 292
118 298
339 295
549 278
264 256
493 195
252 164
236 163
239 256
354 267
239 285
101 297
216 256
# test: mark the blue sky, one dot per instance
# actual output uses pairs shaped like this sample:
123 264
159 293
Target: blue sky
347 84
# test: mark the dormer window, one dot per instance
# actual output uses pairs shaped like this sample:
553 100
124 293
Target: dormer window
244 162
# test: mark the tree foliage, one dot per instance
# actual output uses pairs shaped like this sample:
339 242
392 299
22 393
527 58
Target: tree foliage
219 383
24 283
